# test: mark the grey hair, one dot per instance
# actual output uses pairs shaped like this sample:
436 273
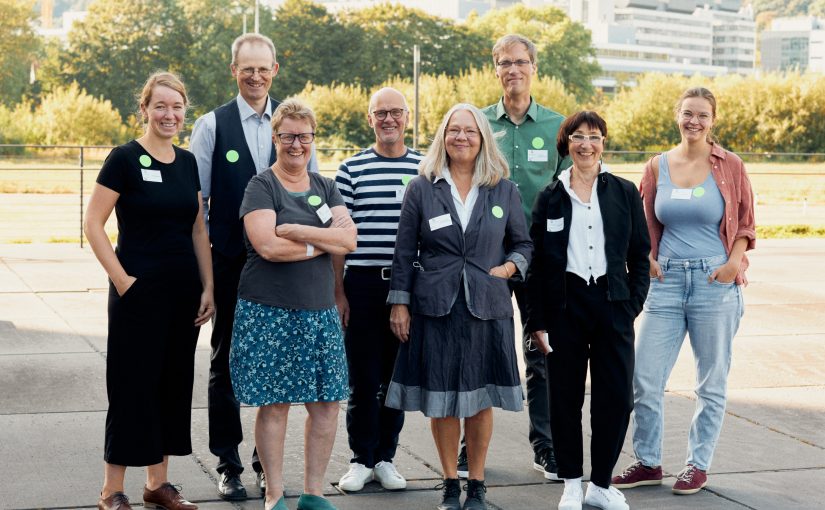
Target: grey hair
490 167
252 39
510 40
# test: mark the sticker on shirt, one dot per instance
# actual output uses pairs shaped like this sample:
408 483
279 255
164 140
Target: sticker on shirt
324 214
555 225
151 175
145 160
681 194
698 191
537 143
440 222
232 156
498 212
537 155
314 200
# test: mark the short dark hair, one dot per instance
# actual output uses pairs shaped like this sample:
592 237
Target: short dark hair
589 118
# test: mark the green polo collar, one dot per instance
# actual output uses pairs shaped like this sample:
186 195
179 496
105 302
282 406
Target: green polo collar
532 110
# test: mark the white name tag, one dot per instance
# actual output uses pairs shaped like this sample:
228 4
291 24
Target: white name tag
681 194
151 175
556 225
440 222
324 214
399 194
537 155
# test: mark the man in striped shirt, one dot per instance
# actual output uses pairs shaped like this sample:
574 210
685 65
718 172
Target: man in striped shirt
373 183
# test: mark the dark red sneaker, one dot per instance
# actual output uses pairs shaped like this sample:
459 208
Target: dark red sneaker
690 480
636 475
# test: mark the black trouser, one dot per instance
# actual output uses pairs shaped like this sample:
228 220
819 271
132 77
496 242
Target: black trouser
538 397
590 327
225 431
150 366
371 347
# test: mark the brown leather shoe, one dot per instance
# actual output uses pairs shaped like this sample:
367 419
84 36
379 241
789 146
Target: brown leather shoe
166 497
117 501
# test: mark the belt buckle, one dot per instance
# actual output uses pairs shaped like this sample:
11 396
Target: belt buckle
386 272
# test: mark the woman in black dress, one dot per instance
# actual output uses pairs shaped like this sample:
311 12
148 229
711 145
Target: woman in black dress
160 293
461 236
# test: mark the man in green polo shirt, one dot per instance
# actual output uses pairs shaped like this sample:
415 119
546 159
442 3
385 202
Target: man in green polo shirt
527 133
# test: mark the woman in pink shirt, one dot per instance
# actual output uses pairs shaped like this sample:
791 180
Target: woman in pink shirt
699 209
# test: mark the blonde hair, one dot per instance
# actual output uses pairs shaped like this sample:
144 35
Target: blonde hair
293 108
701 93
511 40
490 167
252 39
160 79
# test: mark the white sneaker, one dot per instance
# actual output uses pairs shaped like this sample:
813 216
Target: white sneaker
606 499
389 477
356 477
571 499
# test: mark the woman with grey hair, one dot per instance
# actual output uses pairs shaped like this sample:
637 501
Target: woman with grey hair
461 236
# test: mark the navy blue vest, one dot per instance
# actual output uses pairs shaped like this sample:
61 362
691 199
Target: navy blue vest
232 168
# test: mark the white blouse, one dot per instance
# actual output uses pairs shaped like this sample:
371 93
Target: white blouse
585 248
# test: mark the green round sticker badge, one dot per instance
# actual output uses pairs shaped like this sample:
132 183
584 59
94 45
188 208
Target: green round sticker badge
498 212
698 191
314 200
538 143
145 160
232 155
406 179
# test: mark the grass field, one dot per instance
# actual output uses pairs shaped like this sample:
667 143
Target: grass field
40 199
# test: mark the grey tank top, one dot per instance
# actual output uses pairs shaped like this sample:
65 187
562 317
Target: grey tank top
691 217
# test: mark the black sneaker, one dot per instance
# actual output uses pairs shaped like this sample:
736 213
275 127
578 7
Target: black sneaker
451 494
545 462
476 491
463 470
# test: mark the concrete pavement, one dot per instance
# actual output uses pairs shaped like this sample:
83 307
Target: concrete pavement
53 402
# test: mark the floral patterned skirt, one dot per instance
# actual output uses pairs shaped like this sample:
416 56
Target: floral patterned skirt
283 355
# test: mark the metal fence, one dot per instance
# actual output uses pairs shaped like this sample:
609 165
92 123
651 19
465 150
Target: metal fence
44 189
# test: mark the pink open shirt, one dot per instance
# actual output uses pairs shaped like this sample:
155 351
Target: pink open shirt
732 180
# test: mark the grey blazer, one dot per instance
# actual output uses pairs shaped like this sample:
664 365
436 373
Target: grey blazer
432 256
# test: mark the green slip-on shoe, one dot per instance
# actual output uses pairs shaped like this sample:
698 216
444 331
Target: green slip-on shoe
310 502
280 505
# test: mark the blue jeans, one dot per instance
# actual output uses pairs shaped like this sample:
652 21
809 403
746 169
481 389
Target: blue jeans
709 313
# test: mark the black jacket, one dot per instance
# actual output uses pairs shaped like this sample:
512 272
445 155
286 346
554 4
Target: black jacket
428 264
627 245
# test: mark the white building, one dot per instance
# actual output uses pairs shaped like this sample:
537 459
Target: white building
637 36
457 10
794 44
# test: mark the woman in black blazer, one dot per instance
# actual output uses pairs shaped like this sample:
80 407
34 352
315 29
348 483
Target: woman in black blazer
587 284
461 236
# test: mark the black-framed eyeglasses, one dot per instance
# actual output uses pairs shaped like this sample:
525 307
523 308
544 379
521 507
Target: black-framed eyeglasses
249 71
395 113
579 138
289 138
507 64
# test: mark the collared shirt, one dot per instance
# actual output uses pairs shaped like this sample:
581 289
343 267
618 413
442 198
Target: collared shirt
463 209
373 188
730 176
529 147
257 130
585 247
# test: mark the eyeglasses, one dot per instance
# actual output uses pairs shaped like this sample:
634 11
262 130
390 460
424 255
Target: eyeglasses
507 64
395 113
578 138
688 115
289 138
249 71
468 132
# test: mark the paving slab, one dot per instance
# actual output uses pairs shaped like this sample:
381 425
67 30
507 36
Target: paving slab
797 489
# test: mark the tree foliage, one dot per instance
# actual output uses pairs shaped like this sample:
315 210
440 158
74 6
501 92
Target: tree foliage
341 113
564 46
18 46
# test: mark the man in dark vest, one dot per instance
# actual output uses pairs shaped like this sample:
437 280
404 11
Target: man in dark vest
232 144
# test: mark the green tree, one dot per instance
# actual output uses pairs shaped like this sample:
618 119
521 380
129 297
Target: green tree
341 113
564 46
391 30
18 47
479 87
122 42
68 115
313 46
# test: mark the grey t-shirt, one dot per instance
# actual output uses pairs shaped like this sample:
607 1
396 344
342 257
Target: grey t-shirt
304 285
